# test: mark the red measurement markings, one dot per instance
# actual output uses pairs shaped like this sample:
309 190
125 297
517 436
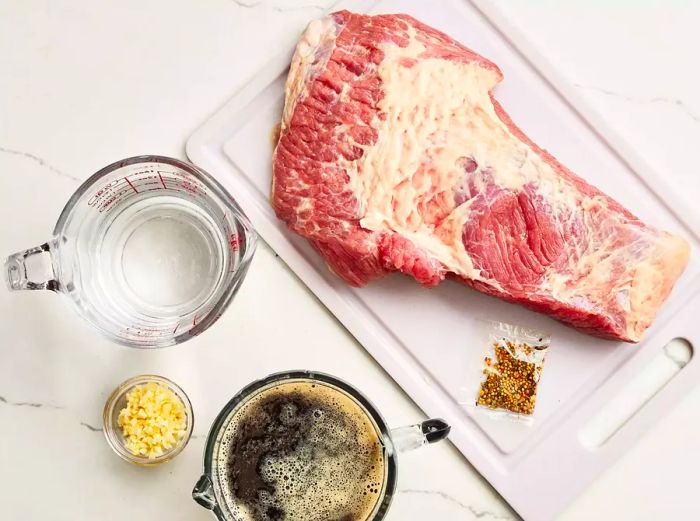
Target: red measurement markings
225 223
186 183
132 186
194 331
235 242
97 196
151 184
162 181
105 197
146 181
190 187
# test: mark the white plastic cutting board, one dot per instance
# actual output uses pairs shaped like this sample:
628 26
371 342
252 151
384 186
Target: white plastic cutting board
429 340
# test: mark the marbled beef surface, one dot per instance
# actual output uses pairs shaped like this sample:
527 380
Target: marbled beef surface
394 156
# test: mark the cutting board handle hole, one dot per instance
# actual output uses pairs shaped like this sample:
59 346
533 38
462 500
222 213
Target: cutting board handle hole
641 389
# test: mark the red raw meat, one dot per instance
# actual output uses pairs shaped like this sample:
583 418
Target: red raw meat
394 156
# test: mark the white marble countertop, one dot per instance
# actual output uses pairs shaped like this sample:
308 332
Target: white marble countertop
86 83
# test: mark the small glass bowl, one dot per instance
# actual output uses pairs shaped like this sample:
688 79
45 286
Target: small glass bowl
113 432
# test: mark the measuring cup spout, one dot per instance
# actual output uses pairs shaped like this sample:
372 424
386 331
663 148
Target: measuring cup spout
203 493
31 269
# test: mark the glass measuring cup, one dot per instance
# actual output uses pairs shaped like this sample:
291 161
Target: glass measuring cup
149 250
211 491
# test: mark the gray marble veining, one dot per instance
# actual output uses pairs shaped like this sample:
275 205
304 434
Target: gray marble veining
666 100
250 4
35 405
475 512
40 161
90 427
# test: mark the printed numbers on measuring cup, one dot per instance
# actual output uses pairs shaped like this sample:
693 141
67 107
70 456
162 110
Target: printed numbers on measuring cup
234 241
97 196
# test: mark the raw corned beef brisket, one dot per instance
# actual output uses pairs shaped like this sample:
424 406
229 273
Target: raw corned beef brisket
394 156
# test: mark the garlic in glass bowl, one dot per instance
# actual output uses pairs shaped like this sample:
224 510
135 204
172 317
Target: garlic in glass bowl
148 420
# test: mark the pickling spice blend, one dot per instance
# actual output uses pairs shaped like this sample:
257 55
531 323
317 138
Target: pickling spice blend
513 369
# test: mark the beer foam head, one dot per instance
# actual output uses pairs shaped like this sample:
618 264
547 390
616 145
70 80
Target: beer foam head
301 450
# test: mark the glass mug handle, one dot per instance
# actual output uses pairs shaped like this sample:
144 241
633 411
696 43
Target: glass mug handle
31 269
413 437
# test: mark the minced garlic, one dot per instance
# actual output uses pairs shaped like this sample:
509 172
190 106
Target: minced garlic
153 421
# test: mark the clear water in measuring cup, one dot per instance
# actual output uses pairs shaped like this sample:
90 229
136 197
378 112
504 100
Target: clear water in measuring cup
161 255
150 250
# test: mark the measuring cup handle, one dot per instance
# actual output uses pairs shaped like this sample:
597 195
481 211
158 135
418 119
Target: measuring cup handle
416 436
31 269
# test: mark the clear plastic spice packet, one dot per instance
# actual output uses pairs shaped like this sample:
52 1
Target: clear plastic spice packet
511 370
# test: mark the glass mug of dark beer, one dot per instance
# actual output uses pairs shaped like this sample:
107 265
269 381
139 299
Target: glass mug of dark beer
303 445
